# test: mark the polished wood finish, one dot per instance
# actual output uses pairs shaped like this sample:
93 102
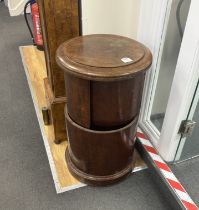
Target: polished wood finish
106 96
34 63
103 105
100 157
59 23
115 104
104 77
56 113
103 51
78 99
108 51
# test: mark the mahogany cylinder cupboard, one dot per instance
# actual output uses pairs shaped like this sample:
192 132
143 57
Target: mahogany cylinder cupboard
104 77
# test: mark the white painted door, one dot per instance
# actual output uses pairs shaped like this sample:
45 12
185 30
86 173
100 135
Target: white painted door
189 146
173 37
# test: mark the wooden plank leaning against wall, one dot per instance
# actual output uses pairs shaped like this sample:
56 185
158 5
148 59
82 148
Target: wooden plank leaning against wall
59 23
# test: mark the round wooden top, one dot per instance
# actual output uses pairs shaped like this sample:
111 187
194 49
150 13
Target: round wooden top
103 57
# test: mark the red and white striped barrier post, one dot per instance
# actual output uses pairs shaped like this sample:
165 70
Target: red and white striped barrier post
165 172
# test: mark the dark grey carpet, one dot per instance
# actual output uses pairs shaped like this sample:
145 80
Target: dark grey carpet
188 174
25 177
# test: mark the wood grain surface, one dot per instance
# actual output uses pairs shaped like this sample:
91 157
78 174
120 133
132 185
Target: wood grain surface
103 57
59 22
36 70
104 77
35 63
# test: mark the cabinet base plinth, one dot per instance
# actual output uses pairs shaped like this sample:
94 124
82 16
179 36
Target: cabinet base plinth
97 180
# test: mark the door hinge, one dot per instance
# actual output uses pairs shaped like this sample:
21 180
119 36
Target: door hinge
186 128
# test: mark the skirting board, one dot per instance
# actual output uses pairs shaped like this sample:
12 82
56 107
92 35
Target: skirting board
35 70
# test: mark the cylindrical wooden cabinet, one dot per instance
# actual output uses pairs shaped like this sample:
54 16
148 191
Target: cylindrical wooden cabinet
104 77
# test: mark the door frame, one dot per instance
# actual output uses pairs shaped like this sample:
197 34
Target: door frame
183 87
190 116
155 15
